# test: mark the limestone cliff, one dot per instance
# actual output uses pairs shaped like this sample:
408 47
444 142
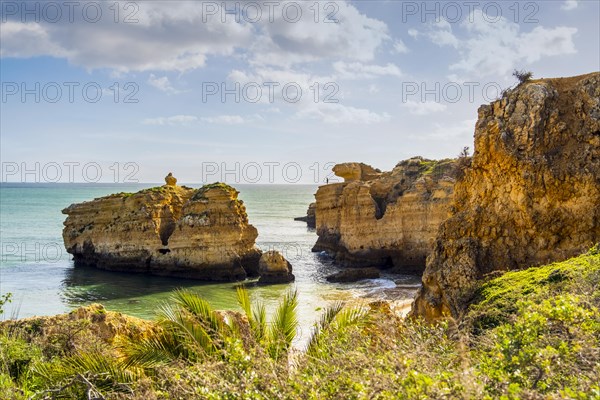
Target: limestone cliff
168 230
531 194
386 219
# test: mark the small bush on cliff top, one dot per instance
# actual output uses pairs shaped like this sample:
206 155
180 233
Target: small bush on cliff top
523 76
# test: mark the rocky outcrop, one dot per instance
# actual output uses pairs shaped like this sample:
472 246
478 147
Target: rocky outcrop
356 172
385 219
354 275
94 320
310 216
274 268
531 195
170 180
168 230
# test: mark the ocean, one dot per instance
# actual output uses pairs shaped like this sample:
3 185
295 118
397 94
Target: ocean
41 276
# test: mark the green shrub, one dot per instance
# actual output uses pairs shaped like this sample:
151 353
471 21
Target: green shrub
5 298
548 347
16 355
522 76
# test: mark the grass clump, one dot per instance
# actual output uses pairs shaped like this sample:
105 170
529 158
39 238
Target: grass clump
200 193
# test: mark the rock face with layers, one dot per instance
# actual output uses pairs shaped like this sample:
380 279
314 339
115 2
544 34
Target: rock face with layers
531 195
168 230
385 219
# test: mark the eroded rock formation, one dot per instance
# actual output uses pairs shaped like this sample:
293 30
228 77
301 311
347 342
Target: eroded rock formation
274 268
168 230
354 275
531 195
386 219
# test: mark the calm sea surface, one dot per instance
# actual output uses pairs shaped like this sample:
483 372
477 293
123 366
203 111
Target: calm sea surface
40 274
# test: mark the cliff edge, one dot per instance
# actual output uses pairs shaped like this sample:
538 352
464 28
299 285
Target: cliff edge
530 196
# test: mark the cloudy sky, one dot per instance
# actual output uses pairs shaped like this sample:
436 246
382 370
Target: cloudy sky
264 91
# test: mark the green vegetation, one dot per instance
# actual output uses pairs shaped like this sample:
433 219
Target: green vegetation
437 168
531 334
522 76
463 162
155 189
5 298
200 194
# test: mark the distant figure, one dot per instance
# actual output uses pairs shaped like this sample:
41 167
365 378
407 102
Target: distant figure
171 180
327 181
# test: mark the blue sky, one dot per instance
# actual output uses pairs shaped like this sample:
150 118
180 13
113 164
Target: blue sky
381 81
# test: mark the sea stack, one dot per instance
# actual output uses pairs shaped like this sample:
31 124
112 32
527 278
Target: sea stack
168 230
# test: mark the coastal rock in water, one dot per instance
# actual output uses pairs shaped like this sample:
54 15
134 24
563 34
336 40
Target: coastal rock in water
531 195
354 275
310 216
274 268
384 219
168 230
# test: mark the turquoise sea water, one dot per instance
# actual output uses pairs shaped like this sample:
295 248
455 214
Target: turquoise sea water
40 274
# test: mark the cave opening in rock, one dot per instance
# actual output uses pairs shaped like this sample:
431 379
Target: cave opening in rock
380 206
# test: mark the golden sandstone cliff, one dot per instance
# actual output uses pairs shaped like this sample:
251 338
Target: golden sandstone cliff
168 230
531 194
384 219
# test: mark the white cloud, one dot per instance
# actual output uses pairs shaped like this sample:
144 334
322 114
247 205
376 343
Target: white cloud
174 120
400 47
546 42
497 48
340 114
28 39
224 120
307 107
169 36
460 130
281 78
413 33
355 37
569 5
358 70
440 33
424 108
163 84
180 36
373 89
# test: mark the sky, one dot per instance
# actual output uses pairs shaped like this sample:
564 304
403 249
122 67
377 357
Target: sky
263 91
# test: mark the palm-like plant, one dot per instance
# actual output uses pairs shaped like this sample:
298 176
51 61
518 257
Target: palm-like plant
276 337
92 372
335 319
192 330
